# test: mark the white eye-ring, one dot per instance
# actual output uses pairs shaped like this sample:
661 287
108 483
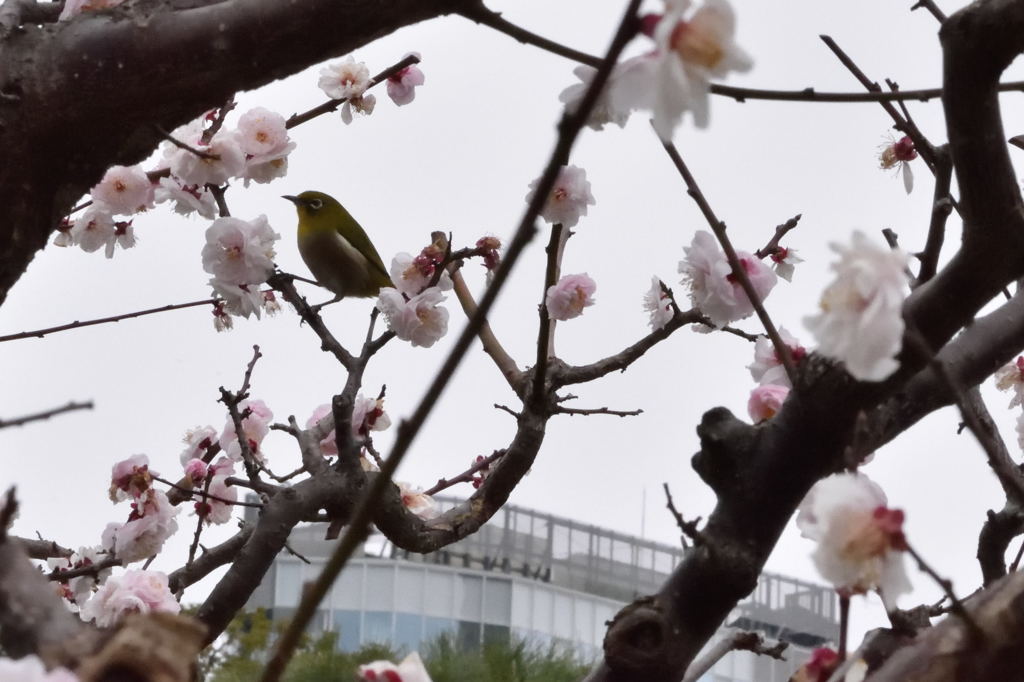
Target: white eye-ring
316 204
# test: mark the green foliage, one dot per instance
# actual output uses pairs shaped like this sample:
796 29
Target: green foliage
248 639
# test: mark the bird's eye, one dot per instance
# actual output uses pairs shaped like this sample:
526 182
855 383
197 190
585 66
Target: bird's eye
316 204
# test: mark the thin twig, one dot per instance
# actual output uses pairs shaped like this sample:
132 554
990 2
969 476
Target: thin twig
502 360
356 531
1016 560
219 196
931 7
844 624
218 121
62 575
780 232
205 494
956 606
688 528
467 475
181 145
942 206
546 328
200 519
597 410
39 416
737 641
738 271
333 104
40 333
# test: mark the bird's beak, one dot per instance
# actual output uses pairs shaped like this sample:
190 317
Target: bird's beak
294 200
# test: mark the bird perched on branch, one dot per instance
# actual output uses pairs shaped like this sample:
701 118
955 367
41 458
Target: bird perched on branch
336 249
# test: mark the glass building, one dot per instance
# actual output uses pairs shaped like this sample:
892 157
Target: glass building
533 576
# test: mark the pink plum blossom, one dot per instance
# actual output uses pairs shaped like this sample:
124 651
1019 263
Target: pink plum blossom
421 320
765 401
860 539
79 589
197 441
217 511
411 275
767 368
1020 431
31 669
569 296
785 261
688 54
73 8
344 79
130 478
134 591
124 190
658 305
187 199
255 428
195 470
418 502
410 669
149 525
1010 377
569 197
714 290
329 443
898 154
861 320
819 667
402 85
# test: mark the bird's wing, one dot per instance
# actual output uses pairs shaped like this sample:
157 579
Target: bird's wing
362 243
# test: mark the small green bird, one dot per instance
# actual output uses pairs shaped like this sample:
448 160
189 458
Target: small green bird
336 249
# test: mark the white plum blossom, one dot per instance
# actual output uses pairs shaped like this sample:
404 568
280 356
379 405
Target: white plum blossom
898 154
187 199
767 368
402 85
418 502
1020 431
197 441
368 415
765 401
714 290
785 260
240 251
134 591
569 197
124 190
149 525
658 305
363 105
1011 377
238 299
31 669
261 131
860 322
860 539
675 78
94 229
263 137
421 320
410 669
329 443
603 112
223 158
568 297
79 589
345 79
255 428
411 275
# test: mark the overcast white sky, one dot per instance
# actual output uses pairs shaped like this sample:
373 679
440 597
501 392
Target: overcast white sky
460 158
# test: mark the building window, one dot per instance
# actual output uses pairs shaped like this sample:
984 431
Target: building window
288 584
498 601
468 635
497 634
435 627
380 587
469 594
408 631
377 627
346 624
438 595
